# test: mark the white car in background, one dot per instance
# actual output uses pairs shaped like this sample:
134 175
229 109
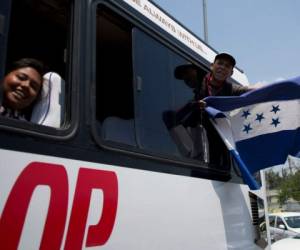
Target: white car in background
284 225
287 244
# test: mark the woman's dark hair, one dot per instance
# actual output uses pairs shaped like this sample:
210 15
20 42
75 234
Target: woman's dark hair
28 62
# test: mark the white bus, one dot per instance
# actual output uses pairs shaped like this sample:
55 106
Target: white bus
111 176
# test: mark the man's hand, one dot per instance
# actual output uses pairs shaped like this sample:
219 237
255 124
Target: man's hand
201 104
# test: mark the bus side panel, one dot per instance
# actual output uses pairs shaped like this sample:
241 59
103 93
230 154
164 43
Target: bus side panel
67 204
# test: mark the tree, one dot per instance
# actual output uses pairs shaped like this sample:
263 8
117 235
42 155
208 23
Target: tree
273 179
290 187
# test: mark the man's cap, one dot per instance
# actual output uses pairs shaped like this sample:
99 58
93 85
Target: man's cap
181 70
226 56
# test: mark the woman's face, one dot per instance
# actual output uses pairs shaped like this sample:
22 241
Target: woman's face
21 87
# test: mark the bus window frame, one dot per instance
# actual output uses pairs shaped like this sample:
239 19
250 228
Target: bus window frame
138 21
4 33
70 125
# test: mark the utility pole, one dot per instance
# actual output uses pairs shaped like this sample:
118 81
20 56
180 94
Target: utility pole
205 21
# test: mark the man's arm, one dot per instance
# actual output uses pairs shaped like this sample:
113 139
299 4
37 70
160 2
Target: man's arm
239 90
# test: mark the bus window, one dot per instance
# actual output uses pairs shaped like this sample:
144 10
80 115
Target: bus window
115 110
4 18
38 29
138 97
159 96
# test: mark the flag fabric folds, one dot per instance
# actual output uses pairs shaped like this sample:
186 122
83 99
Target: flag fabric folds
260 128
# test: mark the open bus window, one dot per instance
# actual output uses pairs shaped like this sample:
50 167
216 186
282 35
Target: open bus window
38 29
139 100
114 100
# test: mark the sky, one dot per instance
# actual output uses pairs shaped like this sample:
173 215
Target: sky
263 35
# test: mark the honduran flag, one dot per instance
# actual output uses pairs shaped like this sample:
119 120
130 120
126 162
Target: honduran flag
260 128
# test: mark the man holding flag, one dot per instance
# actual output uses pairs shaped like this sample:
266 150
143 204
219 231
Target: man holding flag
260 128
213 84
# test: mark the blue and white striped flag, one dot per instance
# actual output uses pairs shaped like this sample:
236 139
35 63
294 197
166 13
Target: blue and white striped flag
260 128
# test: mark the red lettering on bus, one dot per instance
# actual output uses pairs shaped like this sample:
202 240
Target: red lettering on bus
55 176
97 235
14 213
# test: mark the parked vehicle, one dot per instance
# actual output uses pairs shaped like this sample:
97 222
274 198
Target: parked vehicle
287 244
284 225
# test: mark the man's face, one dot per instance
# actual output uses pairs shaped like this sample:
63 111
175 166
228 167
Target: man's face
21 87
221 69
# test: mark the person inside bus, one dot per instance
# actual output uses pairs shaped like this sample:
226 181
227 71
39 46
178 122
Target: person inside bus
215 82
21 87
212 84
